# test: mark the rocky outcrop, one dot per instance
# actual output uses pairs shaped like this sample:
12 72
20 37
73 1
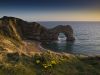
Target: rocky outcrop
19 29
67 30
13 27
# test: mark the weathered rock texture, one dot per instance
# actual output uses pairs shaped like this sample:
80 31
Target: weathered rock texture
17 28
13 27
67 30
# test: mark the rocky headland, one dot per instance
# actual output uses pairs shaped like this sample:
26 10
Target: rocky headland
22 54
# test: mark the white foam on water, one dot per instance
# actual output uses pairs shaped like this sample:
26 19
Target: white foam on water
61 38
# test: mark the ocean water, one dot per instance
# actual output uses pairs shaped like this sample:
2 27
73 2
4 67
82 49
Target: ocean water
87 35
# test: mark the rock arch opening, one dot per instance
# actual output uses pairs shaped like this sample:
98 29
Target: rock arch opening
62 37
60 29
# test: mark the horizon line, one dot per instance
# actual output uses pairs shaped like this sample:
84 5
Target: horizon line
53 20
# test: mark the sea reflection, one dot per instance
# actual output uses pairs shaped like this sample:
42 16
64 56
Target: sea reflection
61 45
87 38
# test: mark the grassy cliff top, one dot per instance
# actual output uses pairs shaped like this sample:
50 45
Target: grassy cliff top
20 57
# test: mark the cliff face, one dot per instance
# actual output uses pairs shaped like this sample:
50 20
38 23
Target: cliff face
8 27
14 32
20 29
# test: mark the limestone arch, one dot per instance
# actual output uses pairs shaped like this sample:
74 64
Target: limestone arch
66 30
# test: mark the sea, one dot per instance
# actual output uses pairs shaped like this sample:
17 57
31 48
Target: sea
87 38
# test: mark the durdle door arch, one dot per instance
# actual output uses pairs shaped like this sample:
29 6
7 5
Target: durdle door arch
66 30
52 34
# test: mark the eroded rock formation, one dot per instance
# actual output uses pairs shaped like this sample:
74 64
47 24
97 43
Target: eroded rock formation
67 30
18 28
12 27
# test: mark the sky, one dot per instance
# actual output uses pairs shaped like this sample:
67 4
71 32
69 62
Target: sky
51 10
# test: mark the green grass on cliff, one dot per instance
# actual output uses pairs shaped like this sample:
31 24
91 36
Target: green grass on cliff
48 63
45 63
42 63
